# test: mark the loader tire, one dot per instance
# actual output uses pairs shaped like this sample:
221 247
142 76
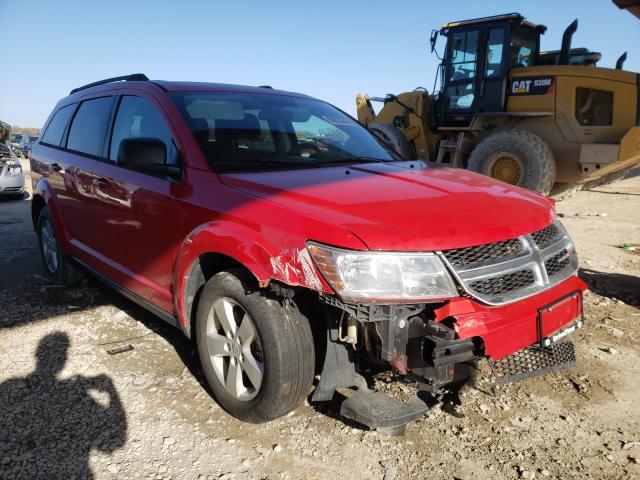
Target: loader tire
394 138
516 157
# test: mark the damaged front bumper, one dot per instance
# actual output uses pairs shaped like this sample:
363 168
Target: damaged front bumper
433 345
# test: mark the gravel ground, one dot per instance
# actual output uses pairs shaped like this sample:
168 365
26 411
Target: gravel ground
68 409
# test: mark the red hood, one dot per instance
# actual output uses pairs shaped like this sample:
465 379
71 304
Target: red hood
392 207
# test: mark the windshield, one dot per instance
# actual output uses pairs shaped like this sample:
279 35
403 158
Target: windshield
244 131
16 137
523 45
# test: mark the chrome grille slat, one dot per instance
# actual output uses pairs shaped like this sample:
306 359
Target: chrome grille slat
547 236
504 283
557 262
506 273
471 256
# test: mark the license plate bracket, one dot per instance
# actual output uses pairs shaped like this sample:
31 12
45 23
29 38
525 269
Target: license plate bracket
557 314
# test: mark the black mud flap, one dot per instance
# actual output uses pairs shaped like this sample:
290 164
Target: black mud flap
534 361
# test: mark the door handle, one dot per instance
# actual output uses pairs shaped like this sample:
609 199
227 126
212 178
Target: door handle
56 167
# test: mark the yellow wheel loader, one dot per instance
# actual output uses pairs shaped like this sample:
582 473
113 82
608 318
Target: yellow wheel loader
552 122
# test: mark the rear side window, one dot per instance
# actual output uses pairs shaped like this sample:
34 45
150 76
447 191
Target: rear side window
57 126
89 126
137 117
594 107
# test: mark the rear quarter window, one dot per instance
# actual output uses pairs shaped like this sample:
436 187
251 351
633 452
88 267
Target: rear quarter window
89 126
57 126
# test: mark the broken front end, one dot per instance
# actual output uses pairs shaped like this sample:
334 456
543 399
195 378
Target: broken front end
432 316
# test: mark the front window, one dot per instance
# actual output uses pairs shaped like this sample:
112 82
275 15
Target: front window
244 131
522 49
461 69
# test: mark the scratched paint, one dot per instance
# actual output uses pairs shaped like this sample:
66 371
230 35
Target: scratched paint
295 267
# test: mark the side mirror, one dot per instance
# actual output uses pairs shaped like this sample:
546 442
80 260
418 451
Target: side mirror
147 155
433 39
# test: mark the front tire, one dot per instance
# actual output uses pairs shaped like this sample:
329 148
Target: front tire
257 353
394 138
516 157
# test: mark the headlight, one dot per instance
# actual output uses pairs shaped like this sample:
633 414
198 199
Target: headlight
383 276
15 169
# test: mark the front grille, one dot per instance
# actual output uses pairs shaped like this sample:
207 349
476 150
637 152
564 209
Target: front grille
470 256
508 270
557 263
504 283
547 236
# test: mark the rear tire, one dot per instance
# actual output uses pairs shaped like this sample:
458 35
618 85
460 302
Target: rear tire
260 370
516 157
57 268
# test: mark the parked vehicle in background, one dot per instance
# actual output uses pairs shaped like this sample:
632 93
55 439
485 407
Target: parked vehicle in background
274 230
11 175
27 148
21 143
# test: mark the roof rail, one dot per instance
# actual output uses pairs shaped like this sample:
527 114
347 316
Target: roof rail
139 77
265 86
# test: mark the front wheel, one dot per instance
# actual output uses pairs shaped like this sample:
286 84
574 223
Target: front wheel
257 353
516 157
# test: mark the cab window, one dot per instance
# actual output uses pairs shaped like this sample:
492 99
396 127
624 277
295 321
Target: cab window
522 48
495 43
463 48
463 52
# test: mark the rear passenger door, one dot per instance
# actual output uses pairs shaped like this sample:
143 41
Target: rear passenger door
71 153
139 219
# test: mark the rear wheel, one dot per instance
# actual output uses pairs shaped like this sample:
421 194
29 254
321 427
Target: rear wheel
56 267
257 354
515 157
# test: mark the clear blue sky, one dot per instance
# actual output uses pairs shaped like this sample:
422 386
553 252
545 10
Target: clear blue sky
328 49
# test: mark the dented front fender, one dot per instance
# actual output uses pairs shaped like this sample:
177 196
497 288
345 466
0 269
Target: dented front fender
282 259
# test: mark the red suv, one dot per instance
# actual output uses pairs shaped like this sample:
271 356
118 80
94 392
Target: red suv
283 237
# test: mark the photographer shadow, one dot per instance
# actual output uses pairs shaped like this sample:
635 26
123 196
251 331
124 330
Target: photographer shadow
49 426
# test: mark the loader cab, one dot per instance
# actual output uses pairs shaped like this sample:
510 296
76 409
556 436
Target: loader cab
478 56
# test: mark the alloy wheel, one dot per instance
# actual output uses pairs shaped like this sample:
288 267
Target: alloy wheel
234 349
49 246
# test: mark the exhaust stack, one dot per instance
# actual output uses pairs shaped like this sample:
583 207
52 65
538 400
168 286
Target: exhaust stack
563 58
